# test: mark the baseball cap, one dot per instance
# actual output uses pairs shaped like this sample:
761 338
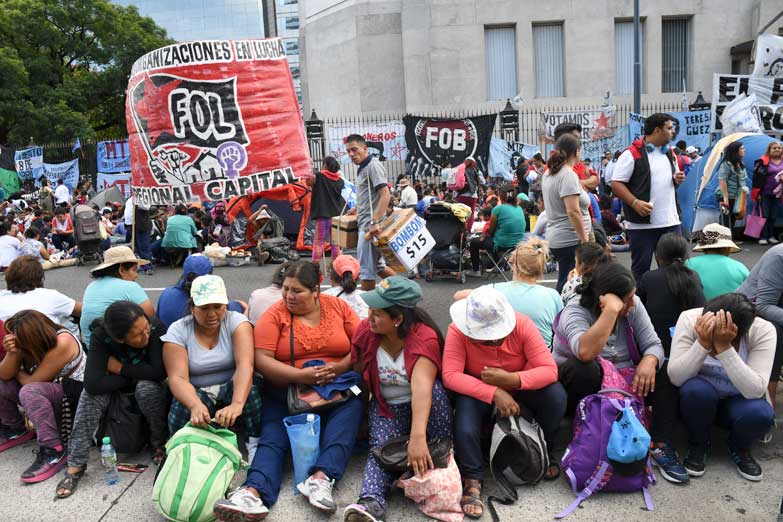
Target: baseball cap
198 264
394 291
345 263
208 289
691 149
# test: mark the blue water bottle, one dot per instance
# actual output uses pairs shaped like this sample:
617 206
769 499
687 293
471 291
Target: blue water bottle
109 462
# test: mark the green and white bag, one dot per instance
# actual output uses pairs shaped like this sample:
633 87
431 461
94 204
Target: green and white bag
200 464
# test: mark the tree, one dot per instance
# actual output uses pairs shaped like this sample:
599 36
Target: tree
64 67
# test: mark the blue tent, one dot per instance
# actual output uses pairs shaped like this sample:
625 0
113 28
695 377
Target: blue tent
696 195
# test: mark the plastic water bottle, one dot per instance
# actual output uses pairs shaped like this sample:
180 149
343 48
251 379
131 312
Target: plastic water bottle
109 462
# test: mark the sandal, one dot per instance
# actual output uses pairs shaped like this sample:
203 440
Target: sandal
69 484
158 454
471 497
552 472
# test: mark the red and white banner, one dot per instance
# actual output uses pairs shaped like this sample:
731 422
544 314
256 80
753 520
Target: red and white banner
211 120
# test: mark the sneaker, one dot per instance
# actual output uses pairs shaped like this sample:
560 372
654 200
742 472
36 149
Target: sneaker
14 437
665 457
747 466
773 241
763 242
240 506
472 273
319 493
365 510
48 462
695 459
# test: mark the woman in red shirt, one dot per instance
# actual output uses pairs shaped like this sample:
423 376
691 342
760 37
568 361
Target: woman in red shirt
495 356
398 349
322 326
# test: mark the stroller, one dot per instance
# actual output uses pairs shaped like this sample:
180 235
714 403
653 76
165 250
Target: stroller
87 231
446 259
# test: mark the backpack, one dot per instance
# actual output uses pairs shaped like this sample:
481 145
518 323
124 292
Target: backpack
200 464
517 456
124 424
594 459
456 179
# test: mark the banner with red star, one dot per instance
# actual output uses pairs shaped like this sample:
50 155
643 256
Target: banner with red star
214 120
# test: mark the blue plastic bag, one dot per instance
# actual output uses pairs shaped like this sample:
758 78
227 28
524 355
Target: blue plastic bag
304 434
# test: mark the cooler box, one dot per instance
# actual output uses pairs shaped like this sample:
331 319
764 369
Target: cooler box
404 240
345 231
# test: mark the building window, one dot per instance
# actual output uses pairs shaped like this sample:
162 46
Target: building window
623 56
550 61
501 57
676 40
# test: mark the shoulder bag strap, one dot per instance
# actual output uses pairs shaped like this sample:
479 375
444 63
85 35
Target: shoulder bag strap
291 340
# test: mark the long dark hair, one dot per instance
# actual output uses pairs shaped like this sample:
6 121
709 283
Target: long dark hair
118 319
566 147
743 312
683 283
411 316
35 333
732 155
608 278
307 273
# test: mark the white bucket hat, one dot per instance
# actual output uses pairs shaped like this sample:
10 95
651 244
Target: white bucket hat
714 236
486 315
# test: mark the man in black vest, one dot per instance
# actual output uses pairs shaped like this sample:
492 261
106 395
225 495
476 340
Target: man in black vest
645 179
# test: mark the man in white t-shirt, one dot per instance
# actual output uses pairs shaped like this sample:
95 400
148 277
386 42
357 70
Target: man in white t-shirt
62 196
408 196
645 179
24 279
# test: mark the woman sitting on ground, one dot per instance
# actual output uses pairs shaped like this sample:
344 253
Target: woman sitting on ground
32 246
24 281
126 356
115 280
174 301
322 327
495 358
721 359
180 235
10 246
506 229
538 302
343 276
719 273
39 352
587 256
209 361
398 349
607 326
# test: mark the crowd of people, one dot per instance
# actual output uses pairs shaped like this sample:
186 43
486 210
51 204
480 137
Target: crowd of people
697 340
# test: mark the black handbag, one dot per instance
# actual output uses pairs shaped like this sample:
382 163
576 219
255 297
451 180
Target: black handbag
303 398
124 424
393 455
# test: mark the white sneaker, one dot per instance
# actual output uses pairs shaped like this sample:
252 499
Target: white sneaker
763 242
773 241
240 506
319 493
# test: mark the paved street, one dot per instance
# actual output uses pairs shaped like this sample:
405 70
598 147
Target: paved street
720 495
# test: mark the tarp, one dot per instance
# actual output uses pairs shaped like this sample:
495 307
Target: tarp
298 197
9 180
696 195
212 120
110 195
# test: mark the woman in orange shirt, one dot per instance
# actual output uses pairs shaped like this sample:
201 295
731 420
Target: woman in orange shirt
323 326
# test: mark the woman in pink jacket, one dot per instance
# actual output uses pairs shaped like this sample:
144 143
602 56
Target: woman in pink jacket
495 357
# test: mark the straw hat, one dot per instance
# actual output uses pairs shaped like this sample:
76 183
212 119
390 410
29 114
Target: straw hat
118 255
715 236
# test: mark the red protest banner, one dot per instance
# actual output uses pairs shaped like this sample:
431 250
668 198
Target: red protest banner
211 120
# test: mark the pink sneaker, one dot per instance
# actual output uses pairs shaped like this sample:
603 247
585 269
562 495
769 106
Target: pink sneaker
48 462
10 437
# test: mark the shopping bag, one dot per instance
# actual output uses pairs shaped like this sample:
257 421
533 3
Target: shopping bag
304 434
754 222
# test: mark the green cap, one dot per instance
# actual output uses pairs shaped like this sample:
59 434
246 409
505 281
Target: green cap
106 440
394 291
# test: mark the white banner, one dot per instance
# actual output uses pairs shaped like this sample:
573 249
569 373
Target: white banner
769 99
386 141
596 123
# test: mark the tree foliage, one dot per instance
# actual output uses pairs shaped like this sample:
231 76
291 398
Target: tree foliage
64 67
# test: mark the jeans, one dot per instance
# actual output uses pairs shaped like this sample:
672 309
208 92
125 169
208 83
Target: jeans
546 406
643 243
769 209
62 242
581 379
369 257
475 246
339 427
747 420
566 261
143 248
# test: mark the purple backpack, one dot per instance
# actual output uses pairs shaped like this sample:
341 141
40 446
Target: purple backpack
585 463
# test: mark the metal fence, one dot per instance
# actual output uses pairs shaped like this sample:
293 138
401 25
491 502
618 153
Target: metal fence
527 132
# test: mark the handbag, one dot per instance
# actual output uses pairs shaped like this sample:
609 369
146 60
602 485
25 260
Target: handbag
302 398
393 454
124 424
754 222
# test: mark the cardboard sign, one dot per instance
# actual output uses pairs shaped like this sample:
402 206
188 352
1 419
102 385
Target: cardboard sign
211 120
405 240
